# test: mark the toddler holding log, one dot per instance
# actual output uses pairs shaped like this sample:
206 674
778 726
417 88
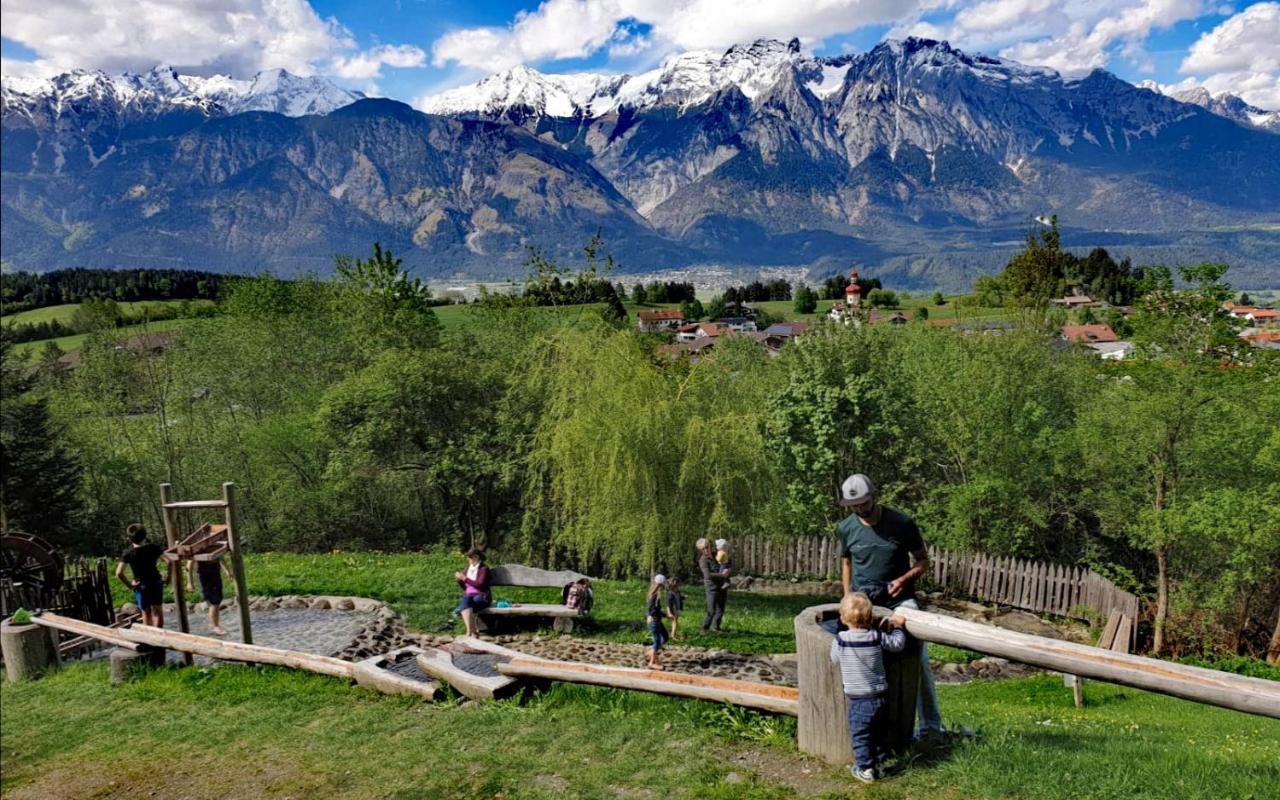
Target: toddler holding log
859 652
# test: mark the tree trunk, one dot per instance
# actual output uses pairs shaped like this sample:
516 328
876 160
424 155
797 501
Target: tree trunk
1273 650
1162 598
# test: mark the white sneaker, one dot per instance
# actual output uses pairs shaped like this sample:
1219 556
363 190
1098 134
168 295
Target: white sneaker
864 775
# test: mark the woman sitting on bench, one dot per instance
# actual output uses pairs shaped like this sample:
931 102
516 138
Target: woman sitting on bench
475 589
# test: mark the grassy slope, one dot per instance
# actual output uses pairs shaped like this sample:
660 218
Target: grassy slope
68 343
63 313
248 732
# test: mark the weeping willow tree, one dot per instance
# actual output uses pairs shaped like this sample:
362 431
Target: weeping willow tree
634 458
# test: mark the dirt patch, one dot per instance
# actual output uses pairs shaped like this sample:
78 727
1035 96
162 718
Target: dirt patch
805 776
191 780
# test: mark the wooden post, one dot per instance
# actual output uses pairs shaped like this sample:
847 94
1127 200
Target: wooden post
175 567
823 726
237 563
30 651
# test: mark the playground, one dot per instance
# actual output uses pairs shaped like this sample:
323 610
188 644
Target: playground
253 731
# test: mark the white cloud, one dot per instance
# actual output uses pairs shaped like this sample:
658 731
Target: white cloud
1086 42
367 64
1240 56
238 37
559 29
1249 40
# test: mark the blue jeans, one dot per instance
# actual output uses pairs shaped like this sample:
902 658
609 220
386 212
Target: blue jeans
928 714
866 730
475 602
659 633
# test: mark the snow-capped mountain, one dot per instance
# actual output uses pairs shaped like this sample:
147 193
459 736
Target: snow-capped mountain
162 89
81 117
1223 104
913 156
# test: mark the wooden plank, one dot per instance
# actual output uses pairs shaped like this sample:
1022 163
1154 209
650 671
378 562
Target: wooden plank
84 629
1109 631
1124 635
530 610
766 697
196 504
520 575
439 664
1251 695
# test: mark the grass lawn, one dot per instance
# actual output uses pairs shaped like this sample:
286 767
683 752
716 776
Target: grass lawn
32 350
63 313
265 732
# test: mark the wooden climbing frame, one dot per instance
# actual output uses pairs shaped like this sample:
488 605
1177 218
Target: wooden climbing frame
206 543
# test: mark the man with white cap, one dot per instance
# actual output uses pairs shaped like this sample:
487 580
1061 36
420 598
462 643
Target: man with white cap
883 554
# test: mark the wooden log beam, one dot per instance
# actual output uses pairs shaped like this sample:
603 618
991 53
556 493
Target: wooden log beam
1250 695
195 504
213 648
766 697
83 629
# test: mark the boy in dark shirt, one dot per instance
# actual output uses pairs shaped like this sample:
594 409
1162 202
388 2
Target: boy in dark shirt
147 583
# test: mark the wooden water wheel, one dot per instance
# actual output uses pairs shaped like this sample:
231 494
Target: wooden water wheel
30 570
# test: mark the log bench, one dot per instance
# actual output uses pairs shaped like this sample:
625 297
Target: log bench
562 617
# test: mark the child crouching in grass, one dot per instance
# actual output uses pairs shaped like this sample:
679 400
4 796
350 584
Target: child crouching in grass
859 652
653 618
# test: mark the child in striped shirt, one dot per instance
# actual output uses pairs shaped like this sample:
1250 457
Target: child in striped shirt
859 652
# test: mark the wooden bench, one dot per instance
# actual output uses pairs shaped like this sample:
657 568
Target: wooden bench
562 617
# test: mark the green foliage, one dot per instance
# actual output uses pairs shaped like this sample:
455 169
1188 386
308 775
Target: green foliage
922 313
938 299
806 301
388 308
883 298
692 310
21 617
39 476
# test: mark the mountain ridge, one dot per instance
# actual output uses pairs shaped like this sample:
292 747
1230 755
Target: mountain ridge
913 156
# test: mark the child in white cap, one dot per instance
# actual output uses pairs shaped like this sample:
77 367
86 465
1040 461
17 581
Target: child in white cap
653 615
722 556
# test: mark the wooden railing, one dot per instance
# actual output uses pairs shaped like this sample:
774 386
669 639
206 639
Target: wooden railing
1030 585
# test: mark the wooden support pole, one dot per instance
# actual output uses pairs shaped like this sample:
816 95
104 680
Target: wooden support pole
175 567
1250 695
237 562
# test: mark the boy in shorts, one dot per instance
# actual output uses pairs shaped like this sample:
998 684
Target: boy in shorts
147 584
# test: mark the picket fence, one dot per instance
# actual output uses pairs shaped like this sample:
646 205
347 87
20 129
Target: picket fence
85 593
1030 585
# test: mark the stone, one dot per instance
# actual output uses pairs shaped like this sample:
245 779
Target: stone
734 778
128 609
344 604
128 664
320 604
1025 622
293 602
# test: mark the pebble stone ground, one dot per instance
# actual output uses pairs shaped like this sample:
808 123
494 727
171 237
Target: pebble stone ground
355 629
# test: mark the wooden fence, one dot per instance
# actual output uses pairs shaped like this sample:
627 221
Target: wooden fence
85 593
1030 585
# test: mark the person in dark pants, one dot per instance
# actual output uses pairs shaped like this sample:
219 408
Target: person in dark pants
147 584
883 555
210 574
715 581
858 652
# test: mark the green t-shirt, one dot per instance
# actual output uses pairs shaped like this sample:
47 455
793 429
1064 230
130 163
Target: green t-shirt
880 553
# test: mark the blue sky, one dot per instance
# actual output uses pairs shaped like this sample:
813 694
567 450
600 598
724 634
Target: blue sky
410 48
